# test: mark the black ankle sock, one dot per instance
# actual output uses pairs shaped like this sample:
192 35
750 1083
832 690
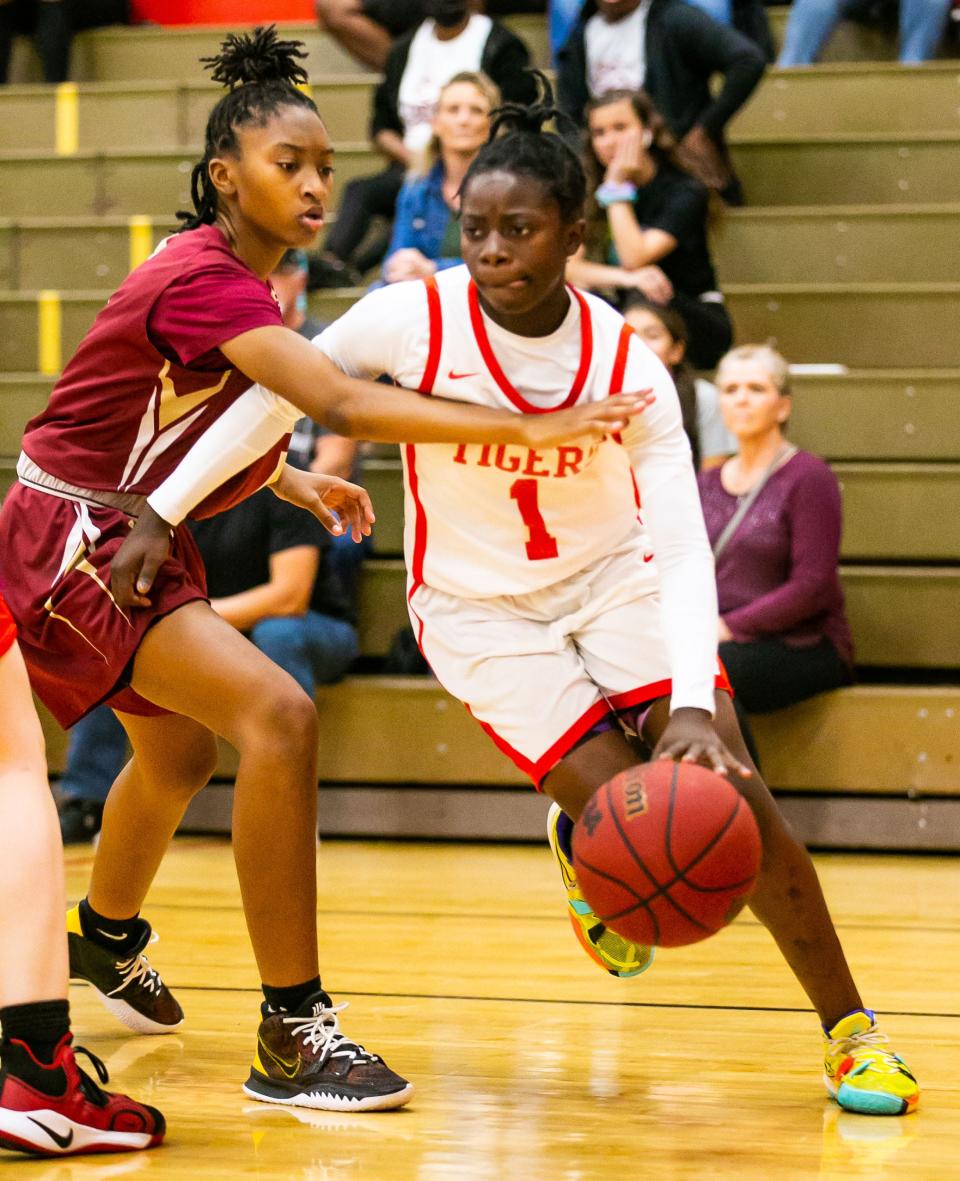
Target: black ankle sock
119 935
41 1025
289 999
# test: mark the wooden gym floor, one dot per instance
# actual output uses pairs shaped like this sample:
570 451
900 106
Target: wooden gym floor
530 1064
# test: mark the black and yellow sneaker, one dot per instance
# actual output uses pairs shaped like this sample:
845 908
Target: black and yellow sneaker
125 982
303 1060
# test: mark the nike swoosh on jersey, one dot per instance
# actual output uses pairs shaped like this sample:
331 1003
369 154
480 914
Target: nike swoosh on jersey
648 557
107 935
58 1139
289 1069
456 376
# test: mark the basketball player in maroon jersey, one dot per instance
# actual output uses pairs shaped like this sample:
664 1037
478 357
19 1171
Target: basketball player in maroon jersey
176 345
48 1106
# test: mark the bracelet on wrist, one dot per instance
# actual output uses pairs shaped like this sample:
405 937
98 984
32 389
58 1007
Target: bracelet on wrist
612 192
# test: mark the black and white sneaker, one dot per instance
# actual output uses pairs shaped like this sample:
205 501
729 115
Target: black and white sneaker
127 985
303 1060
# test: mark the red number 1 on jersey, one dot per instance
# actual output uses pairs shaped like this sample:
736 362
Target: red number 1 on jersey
540 544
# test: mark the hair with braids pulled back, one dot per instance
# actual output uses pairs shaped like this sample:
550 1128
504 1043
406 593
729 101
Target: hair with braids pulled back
262 74
519 145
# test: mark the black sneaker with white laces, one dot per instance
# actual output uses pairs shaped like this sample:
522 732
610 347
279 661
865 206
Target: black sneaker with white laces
125 982
303 1060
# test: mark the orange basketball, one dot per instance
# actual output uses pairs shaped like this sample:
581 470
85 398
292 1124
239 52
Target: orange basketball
666 853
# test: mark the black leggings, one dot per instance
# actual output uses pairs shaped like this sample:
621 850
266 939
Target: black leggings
49 22
769 674
364 198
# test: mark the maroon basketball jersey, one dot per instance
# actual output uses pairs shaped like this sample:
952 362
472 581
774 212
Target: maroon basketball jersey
149 378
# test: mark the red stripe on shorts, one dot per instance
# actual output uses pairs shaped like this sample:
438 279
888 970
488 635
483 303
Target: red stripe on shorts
8 629
538 770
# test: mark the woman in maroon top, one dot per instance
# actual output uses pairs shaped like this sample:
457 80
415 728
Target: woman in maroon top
783 632
107 589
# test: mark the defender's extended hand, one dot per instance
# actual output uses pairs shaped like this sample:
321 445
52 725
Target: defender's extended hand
592 421
325 495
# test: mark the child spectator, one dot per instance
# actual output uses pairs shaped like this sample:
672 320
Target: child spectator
671 50
663 330
647 221
426 230
451 39
773 516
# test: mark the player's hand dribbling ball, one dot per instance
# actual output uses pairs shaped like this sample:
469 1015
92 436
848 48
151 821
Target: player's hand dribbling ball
666 853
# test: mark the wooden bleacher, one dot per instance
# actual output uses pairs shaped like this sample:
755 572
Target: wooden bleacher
845 256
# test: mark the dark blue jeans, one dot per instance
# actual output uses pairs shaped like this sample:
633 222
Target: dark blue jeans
314 649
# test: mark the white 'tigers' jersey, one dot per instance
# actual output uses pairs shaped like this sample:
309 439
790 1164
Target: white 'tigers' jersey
504 520
485 521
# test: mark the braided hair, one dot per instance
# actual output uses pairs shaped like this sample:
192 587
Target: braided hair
262 74
519 145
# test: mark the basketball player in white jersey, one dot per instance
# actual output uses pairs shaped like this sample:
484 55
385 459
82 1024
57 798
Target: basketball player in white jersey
566 595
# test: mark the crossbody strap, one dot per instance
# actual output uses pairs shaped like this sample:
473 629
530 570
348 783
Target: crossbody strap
787 451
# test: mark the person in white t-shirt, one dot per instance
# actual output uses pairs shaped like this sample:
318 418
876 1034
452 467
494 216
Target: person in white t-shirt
564 619
450 40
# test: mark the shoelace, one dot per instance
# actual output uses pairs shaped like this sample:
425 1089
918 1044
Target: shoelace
138 971
322 1032
87 1085
872 1043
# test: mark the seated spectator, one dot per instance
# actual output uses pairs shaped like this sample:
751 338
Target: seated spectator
289 281
426 229
367 28
747 16
49 23
663 330
52 24
922 24
773 516
647 222
671 50
449 41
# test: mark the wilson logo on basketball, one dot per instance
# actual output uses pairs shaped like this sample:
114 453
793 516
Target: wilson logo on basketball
634 801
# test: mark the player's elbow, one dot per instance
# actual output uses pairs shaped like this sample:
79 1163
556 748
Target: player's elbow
346 417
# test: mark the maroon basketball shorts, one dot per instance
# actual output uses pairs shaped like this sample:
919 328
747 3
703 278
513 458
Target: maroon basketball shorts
77 643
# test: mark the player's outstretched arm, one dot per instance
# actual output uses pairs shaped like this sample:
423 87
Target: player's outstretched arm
284 362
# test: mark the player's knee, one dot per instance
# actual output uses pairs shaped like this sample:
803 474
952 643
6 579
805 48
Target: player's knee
189 769
287 719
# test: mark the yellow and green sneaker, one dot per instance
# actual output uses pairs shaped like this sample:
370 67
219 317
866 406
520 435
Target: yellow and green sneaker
610 951
862 1073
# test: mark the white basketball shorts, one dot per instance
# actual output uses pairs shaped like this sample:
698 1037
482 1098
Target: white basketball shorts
537 671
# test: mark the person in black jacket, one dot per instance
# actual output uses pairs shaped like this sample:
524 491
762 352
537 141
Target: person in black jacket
450 40
670 50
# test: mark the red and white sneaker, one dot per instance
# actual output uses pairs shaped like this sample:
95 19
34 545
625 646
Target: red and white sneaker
79 1118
